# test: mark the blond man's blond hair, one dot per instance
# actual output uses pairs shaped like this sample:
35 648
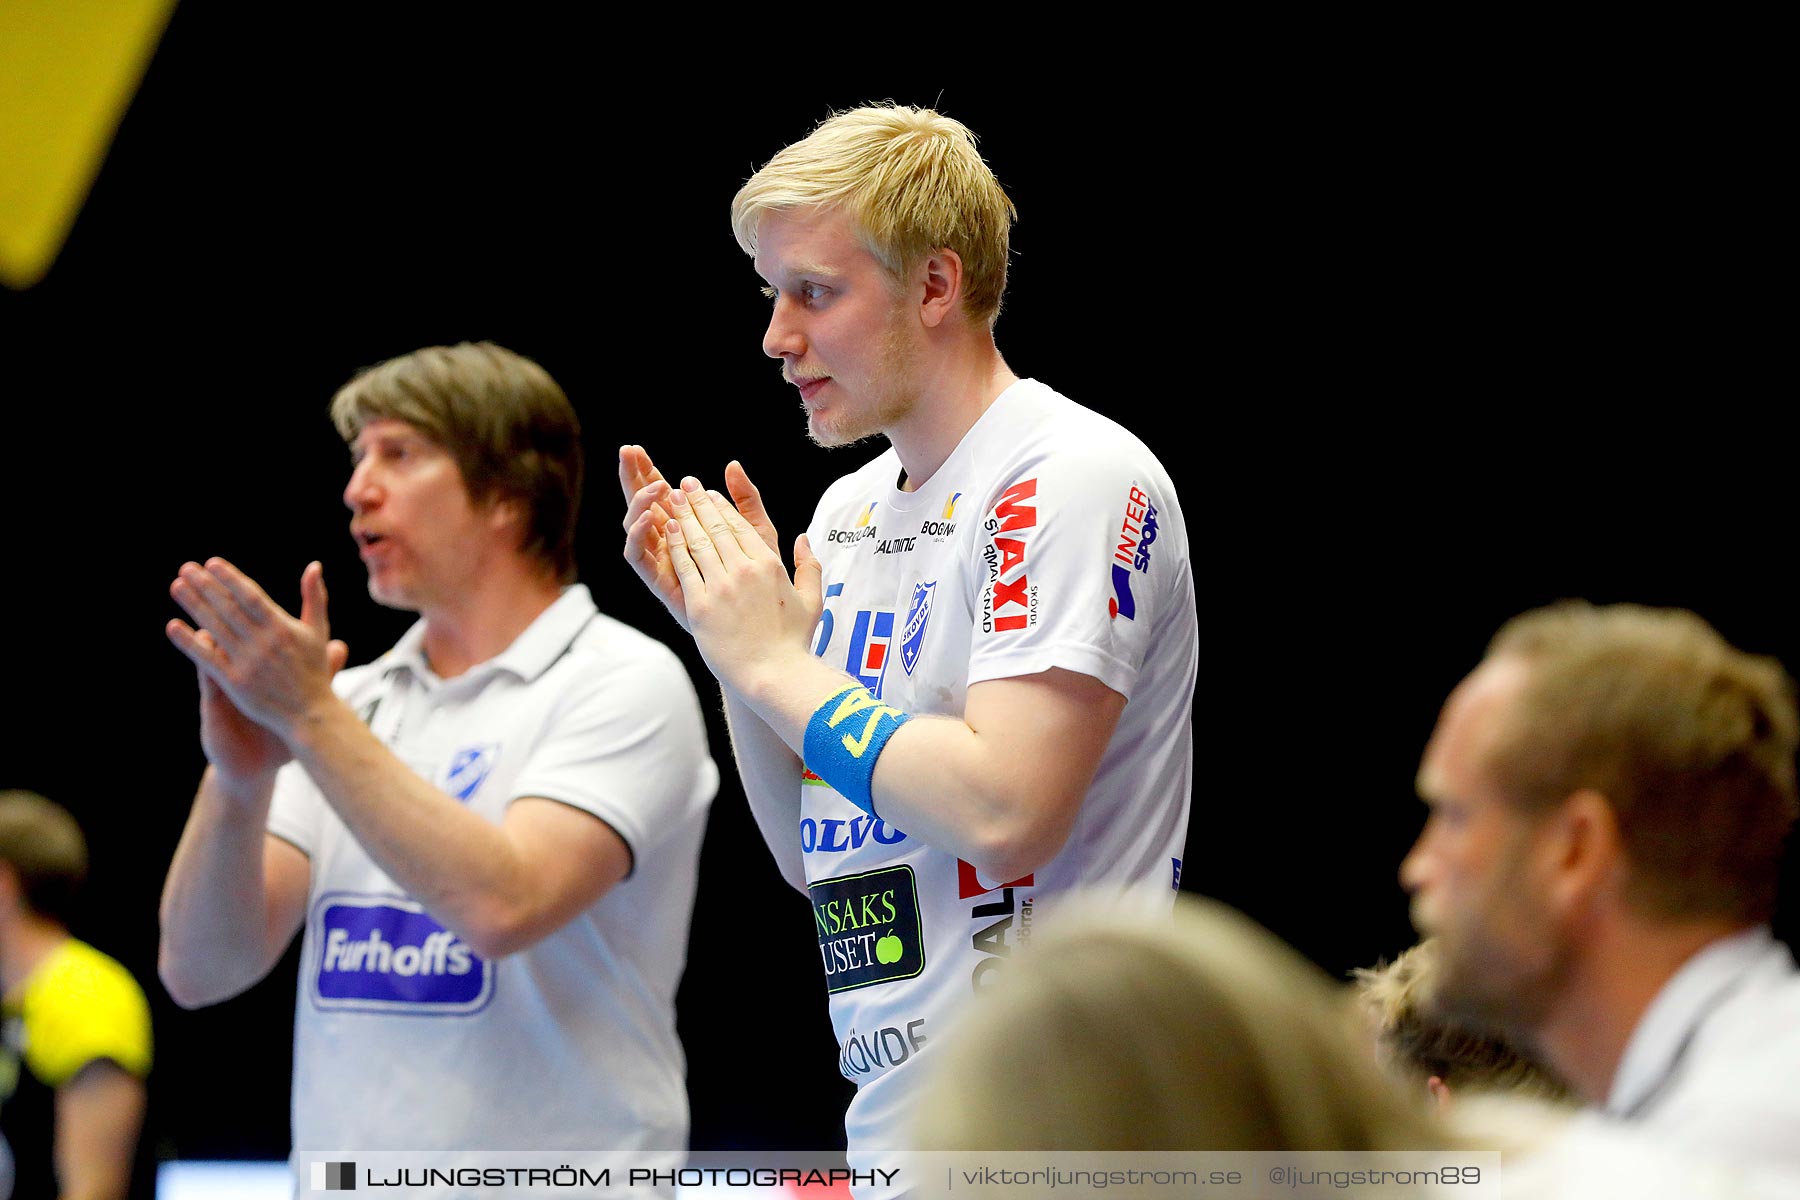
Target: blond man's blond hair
912 182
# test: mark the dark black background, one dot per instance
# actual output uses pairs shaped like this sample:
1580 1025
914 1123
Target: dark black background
1424 341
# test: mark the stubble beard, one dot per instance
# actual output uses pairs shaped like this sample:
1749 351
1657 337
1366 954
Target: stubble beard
895 393
1503 974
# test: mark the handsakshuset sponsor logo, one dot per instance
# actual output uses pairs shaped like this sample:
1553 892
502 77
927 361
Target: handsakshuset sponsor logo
868 927
387 954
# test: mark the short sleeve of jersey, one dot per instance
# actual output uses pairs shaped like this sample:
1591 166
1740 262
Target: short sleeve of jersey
1080 546
82 1008
628 744
295 810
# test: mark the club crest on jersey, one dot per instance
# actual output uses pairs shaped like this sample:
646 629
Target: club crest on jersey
469 769
916 617
387 954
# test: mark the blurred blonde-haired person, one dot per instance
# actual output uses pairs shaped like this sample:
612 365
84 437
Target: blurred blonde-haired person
1421 1045
1206 1032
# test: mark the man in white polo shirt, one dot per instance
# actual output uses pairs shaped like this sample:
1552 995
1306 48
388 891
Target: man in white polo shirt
490 834
1609 791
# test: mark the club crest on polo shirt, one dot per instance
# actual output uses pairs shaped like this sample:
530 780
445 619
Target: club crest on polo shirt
387 954
469 769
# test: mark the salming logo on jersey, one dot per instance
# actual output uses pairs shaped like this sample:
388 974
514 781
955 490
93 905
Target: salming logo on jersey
1009 601
1136 532
382 954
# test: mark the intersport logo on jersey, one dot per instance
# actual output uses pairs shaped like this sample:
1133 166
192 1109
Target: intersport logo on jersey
1136 532
385 954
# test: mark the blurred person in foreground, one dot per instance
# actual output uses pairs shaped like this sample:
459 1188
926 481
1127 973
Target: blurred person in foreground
1209 1033
1609 793
1419 1044
76 1048
489 835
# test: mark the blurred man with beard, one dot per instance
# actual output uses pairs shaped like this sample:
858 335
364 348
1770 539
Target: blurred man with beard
1609 792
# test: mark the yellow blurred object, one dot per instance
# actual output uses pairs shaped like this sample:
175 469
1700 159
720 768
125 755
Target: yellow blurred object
68 71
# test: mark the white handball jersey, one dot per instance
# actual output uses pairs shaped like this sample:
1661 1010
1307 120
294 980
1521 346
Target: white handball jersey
1051 537
405 1038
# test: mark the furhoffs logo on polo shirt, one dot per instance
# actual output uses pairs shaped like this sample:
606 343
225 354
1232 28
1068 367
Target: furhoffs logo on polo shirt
387 954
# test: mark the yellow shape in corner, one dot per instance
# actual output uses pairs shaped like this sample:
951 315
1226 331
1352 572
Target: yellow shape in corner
68 71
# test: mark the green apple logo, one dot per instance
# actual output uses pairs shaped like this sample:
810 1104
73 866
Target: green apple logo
889 949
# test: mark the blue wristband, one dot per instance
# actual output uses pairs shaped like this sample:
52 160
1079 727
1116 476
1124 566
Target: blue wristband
844 738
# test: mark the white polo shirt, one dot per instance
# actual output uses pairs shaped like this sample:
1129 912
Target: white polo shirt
404 1037
1714 1063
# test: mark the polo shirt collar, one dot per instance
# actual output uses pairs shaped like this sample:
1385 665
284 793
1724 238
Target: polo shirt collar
544 641
1654 1052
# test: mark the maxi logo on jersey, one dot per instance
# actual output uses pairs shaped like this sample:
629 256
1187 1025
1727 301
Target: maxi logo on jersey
916 617
868 927
385 954
1136 532
990 940
1009 601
